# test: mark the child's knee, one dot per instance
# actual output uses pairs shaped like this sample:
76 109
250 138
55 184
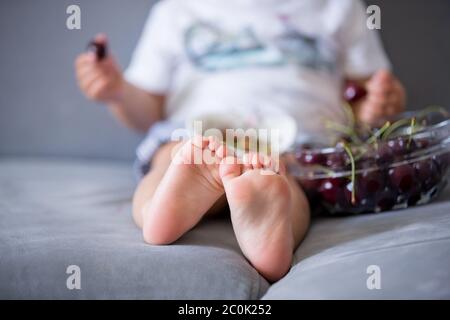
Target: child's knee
163 156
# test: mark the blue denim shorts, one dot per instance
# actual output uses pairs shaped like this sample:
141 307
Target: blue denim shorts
159 134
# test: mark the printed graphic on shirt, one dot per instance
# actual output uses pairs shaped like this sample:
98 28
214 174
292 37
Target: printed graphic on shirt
212 49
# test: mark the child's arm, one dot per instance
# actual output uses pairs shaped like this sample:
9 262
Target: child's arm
103 81
385 97
137 108
366 63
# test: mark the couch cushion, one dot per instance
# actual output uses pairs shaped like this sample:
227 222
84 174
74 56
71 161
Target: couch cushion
411 248
59 213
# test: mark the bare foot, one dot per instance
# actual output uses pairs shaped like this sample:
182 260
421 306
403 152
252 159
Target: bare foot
190 186
260 206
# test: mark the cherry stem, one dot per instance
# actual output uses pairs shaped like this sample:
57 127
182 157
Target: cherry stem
352 161
379 133
328 171
398 124
350 115
413 127
348 131
432 109
408 121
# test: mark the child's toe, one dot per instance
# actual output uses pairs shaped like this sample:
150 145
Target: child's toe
229 169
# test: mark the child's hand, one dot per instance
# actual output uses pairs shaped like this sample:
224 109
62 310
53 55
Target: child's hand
99 80
385 97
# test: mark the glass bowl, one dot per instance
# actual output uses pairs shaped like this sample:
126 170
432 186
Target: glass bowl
408 168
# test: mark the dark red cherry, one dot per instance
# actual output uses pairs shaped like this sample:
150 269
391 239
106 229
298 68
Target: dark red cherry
386 199
397 145
371 181
414 195
311 189
330 189
402 177
367 204
99 49
424 168
354 92
310 184
422 143
360 195
442 161
384 155
401 145
306 157
366 162
337 160
427 172
306 146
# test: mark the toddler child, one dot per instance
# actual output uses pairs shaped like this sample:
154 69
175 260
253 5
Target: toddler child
238 57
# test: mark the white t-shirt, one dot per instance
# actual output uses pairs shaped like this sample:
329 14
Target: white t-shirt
246 56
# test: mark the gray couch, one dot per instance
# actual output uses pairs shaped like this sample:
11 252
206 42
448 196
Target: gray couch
66 181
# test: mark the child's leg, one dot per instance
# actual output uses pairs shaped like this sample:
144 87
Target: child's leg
177 193
150 181
270 216
270 213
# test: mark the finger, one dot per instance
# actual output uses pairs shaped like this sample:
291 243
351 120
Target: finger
380 95
101 38
256 164
247 162
382 76
97 87
87 77
214 143
381 82
282 168
85 70
373 109
380 87
271 164
90 70
200 141
88 83
368 116
84 59
88 59
384 104
376 101
106 66
262 161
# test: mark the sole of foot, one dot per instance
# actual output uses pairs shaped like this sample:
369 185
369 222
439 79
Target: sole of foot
190 186
260 206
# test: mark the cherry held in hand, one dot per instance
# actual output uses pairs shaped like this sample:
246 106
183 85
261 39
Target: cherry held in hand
98 48
353 92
